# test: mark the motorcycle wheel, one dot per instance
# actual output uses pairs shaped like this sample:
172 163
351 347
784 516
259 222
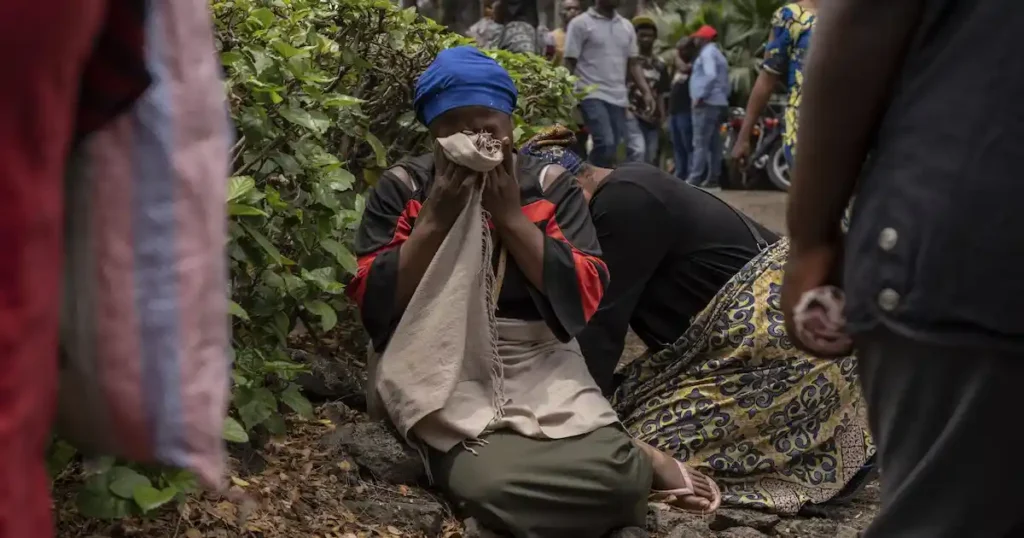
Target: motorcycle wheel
778 169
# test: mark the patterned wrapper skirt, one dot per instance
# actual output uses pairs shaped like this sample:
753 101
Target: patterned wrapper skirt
733 397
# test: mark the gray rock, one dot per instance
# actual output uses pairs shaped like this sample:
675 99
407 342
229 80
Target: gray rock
423 516
332 378
845 531
379 452
473 529
671 523
629 532
741 532
728 518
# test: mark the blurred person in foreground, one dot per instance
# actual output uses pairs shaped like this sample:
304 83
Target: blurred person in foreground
643 127
709 96
59 86
601 50
932 301
784 58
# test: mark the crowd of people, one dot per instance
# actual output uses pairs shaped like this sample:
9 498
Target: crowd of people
756 390
636 96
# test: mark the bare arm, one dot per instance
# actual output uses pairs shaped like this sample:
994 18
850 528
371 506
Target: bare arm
636 73
857 49
759 96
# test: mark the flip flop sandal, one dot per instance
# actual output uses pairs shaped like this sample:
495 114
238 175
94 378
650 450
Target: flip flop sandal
672 497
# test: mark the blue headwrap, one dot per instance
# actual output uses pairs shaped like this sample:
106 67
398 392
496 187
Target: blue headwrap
463 76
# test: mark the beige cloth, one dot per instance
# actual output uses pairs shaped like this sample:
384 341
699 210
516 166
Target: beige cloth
452 370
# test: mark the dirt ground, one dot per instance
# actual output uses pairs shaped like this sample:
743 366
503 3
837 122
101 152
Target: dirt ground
344 477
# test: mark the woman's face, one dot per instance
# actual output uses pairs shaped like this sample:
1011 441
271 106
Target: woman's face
474 119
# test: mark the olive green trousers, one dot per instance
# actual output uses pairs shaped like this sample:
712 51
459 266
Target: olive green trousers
580 487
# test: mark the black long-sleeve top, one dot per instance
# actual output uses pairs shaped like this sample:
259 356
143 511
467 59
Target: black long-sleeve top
575 277
670 248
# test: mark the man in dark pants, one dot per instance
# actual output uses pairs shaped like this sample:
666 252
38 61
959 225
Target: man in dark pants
601 50
932 292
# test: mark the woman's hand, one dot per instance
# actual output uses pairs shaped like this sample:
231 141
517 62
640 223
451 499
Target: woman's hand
449 193
501 189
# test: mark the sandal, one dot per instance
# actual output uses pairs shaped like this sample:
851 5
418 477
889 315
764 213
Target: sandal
672 497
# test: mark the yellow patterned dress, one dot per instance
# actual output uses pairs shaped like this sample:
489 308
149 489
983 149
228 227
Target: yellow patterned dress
733 398
784 55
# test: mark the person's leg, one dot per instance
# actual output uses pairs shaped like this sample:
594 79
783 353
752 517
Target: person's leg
652 142
599 124
701 145
581 486
617 116
682 144
38 101
943 419
636 146
716 145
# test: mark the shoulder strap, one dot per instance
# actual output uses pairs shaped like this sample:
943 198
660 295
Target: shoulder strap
762 243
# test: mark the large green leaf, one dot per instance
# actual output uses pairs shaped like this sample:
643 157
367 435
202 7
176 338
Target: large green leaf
239 186
123 481
294 399
342 254
266 245
95 500
149 498
234 432
328 317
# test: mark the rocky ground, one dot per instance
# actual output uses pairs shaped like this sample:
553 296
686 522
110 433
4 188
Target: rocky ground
344 477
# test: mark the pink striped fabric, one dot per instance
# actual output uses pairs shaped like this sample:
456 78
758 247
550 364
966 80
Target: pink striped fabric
146 369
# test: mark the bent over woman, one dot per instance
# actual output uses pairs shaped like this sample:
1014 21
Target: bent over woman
722 387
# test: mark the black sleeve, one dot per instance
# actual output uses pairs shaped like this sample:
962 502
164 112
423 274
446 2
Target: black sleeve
664 85
386 223
575 277
631 227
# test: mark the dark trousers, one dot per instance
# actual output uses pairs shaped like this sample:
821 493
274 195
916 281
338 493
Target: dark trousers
607 126
706 159
680 130
947 424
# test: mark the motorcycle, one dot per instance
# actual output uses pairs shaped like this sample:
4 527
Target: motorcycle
767 163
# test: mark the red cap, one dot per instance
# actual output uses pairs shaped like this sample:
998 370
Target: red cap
706 31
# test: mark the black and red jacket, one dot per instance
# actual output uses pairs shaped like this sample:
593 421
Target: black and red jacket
574 275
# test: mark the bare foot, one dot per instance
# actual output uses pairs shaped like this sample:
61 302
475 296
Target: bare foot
668 476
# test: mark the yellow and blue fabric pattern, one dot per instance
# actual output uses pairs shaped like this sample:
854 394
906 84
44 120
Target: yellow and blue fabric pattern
784 55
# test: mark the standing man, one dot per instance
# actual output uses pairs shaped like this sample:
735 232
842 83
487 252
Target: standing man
570 9
709 93
600 49
928 264
680 123
644 127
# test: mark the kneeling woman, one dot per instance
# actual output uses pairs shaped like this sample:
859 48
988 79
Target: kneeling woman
723 388
512 426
